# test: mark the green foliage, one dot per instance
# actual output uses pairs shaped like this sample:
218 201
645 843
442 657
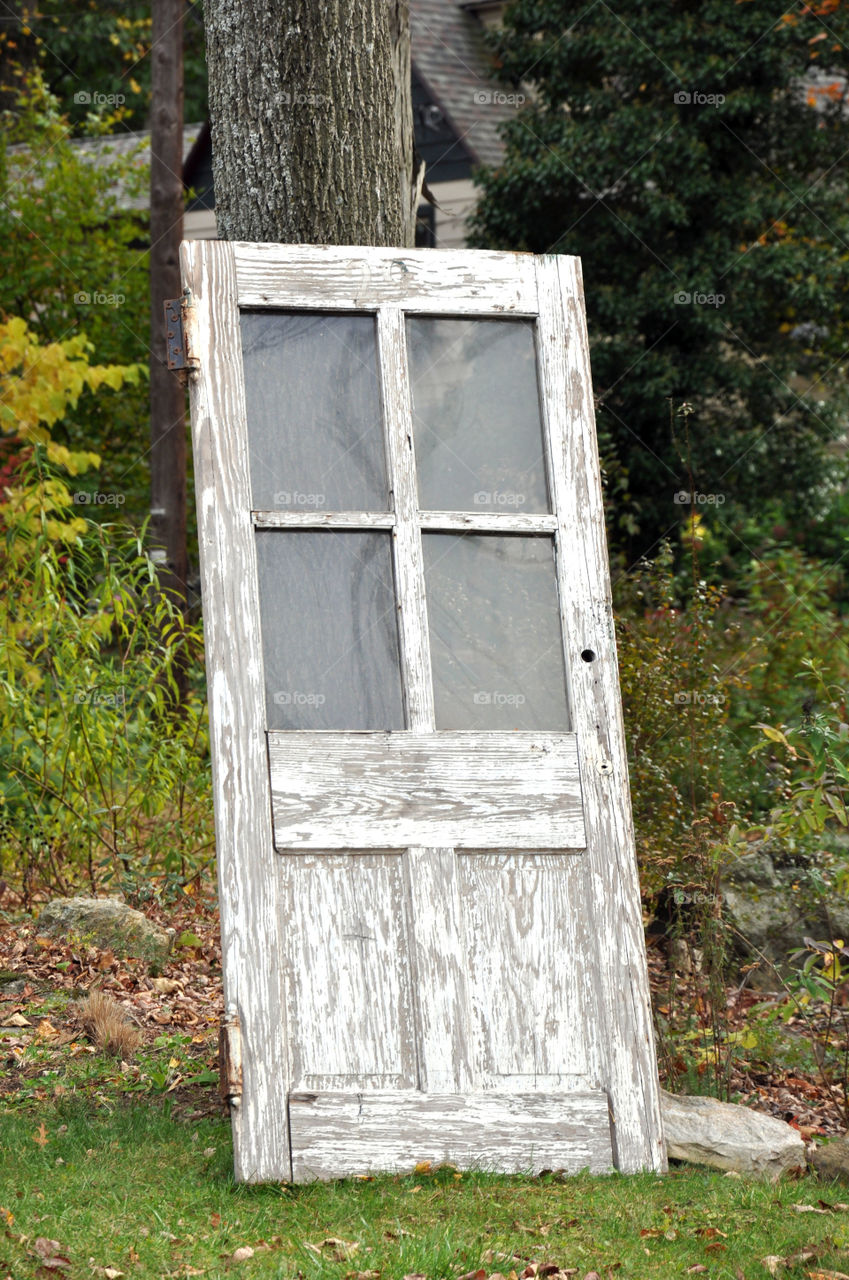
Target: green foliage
713 235
91 54
99 778
70 264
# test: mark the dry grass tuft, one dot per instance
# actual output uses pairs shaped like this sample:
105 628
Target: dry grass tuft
106 1024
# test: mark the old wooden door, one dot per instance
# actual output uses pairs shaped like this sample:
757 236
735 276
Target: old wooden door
430 916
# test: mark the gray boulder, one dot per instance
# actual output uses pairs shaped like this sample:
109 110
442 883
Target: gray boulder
109 924
725 1136
832 1160
771 910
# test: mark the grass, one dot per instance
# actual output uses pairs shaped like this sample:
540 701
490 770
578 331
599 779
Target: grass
128 1188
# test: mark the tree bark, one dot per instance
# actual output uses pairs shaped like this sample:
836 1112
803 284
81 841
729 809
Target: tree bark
311 113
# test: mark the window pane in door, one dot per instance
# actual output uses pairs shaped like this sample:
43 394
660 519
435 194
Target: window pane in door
495 635
476 415
329 631
314 420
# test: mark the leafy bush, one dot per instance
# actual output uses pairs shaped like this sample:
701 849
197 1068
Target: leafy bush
101 778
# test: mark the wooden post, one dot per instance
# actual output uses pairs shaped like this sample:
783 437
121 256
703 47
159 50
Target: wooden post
167 395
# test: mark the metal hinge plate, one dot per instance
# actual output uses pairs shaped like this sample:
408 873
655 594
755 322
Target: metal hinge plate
179 348
230 1061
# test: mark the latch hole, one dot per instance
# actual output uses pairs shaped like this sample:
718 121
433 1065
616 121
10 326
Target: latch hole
588 655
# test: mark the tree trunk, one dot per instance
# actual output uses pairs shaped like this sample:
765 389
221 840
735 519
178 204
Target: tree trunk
167 394
312 128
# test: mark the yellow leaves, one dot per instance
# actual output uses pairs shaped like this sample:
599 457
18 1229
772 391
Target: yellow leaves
41 383
74 462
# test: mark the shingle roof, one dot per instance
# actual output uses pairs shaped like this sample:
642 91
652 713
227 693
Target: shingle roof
450 55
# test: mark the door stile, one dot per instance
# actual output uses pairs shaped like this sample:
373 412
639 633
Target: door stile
247 863
616 988
437 951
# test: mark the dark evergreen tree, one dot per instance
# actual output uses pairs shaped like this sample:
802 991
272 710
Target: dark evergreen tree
694 155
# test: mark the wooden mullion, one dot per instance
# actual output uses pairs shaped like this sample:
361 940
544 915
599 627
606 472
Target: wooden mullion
485 522
407 540
323 519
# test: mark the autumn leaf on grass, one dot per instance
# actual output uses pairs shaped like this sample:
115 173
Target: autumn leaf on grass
242 1254
50 1254
332 1247
40 1136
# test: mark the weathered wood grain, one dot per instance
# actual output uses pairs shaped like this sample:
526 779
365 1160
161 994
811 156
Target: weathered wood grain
446 954
247 865
529 1027
344 1134
323 519
346 946
343 278
408 560
483 522
618 999
449 789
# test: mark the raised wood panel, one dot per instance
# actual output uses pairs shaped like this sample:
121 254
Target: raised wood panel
344 1134
341 278
526 969
345 938
396 790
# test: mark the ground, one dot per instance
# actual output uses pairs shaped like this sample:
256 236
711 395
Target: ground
177 1012
114 1168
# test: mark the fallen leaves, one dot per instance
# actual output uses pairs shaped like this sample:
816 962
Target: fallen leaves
49 1253
40 1137
242 1254
334 1248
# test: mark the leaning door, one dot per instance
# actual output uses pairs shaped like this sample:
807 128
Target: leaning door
431 926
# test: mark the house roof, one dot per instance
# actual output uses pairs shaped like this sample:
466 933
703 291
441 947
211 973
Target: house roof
451 58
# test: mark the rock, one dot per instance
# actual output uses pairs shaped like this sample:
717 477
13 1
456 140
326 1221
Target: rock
771 909
832 1160
109 924
725 1136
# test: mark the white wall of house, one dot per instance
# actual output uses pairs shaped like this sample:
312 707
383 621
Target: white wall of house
456 201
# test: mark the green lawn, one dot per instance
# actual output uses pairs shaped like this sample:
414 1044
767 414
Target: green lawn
127 1188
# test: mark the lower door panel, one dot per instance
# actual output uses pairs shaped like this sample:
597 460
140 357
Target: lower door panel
336 1135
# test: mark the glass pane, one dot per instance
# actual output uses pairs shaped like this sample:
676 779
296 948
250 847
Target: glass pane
314 420
329 635
495 636
476 415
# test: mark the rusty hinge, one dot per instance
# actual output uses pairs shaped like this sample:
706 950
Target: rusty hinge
179 334
230 1061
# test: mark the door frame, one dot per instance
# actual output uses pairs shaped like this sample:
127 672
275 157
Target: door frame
223 277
